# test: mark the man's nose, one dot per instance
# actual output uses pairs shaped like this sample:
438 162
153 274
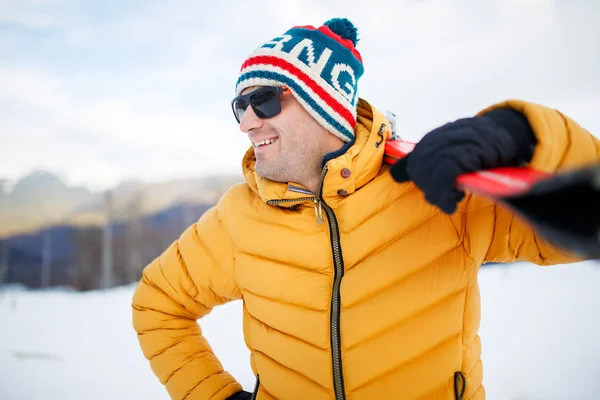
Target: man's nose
250 121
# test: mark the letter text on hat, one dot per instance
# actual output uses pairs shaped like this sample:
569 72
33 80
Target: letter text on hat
278 42
335 78
310 57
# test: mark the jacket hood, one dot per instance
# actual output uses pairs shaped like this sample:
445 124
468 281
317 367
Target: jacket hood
364 160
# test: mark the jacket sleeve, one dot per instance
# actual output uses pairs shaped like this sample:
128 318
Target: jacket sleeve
183 284
493 233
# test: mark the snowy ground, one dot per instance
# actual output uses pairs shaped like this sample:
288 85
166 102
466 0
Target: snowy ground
540 332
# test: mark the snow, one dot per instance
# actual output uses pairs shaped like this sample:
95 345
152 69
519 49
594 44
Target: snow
539 332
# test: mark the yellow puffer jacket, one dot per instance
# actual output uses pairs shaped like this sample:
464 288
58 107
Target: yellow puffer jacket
380 301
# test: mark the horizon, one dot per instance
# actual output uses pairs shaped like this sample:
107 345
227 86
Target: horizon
9 184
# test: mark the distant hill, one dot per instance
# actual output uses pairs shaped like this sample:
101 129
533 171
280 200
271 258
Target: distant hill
42 199
75 252
38 199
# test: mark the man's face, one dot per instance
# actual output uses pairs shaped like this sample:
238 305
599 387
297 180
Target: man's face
290 146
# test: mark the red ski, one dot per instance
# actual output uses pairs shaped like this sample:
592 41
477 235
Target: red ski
497 182
563 207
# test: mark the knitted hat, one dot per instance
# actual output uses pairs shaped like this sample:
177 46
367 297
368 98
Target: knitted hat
321 66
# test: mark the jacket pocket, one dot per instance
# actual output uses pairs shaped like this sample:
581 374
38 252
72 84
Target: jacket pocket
460 385
256 386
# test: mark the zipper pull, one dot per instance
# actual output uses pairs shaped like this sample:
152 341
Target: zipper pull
318 211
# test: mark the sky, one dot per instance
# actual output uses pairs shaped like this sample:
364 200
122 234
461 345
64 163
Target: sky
102 92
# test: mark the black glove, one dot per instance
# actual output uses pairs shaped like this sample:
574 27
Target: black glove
499 138
243 395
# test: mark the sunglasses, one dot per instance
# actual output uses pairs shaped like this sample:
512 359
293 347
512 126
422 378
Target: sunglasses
265 102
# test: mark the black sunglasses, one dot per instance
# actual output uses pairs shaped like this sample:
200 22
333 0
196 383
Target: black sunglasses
265 102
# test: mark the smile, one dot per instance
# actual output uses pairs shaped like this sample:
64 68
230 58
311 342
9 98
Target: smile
264 142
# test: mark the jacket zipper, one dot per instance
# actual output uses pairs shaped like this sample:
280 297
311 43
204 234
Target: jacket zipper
255 391
460 385
338 261
298 200
336 352
315 199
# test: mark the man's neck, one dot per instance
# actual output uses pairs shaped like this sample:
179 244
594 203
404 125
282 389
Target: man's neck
313 184
336 149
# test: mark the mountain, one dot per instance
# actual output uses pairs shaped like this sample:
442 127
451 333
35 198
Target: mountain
38 185
75 256
38 199
43 199
138 198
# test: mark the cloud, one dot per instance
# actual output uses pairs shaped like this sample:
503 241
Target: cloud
32 14
102 94
77 138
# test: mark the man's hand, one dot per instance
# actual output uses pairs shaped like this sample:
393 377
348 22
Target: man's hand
500 138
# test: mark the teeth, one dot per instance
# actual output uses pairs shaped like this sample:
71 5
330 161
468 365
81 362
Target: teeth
264 142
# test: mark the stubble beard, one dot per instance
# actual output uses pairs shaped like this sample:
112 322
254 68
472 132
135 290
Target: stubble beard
273 170
302 167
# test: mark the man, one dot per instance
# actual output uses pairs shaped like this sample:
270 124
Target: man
359 281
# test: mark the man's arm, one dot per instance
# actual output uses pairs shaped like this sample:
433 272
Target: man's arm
493 232
191 277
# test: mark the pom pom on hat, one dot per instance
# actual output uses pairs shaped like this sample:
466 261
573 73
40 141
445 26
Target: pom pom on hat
344 28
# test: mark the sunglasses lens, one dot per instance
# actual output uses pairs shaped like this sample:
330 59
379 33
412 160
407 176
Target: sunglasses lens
266 103
239 107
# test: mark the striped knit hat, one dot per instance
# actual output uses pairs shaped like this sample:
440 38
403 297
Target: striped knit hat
321 66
